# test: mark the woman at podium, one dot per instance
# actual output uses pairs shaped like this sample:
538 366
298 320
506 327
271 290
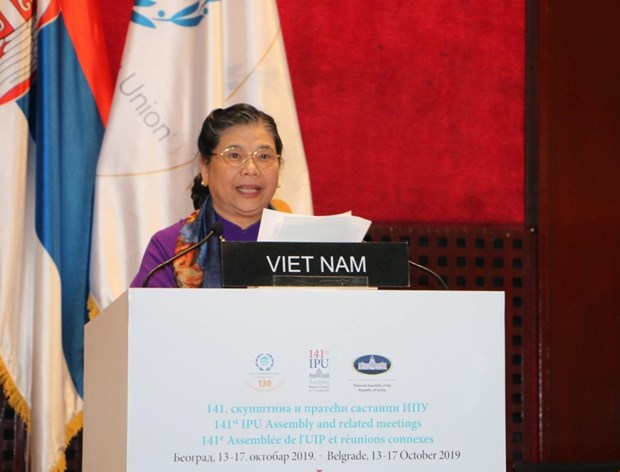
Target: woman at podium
240 159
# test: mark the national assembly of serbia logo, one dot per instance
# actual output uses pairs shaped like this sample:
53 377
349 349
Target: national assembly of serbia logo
372 364
180 12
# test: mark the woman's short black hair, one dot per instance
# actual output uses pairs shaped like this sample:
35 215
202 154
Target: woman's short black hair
221 119
216 124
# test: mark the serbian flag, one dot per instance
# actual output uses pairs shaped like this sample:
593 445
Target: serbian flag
55 93
181 60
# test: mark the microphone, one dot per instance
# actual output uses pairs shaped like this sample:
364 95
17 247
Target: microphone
216 230
443 283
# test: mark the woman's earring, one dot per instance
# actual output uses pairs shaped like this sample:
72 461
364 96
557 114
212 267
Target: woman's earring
279 186
203 183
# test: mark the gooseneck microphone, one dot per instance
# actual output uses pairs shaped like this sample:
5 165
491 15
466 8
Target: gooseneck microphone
216 230
443 283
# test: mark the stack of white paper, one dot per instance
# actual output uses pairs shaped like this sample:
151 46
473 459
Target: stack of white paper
288 227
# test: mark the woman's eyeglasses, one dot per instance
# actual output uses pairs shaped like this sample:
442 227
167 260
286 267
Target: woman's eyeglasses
237 157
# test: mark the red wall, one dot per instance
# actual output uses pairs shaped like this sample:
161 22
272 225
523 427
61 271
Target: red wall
410 110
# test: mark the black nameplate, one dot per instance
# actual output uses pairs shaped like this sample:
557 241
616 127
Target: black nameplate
270 264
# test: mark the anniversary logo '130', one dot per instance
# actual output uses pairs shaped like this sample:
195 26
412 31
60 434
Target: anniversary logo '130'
264 375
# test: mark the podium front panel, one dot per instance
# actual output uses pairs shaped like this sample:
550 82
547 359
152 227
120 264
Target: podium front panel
310 379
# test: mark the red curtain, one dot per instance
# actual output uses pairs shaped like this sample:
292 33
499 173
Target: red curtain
410 110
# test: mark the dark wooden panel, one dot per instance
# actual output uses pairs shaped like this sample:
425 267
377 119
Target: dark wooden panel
579 207
14 443
12 439
489 258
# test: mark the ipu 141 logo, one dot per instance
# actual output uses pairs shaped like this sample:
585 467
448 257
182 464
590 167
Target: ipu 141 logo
318 376
319 359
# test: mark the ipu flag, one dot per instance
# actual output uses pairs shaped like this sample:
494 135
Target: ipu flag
181 60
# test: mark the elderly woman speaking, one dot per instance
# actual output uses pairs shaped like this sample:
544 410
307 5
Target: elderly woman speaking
240 159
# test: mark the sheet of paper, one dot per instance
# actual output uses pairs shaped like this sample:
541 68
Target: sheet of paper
288 227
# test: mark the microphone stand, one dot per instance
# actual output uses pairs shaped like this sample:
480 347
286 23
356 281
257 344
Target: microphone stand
216 229
443 283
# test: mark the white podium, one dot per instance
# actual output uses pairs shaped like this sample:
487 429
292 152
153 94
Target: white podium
296 380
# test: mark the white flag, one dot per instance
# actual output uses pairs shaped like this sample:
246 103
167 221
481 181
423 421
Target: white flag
182 60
